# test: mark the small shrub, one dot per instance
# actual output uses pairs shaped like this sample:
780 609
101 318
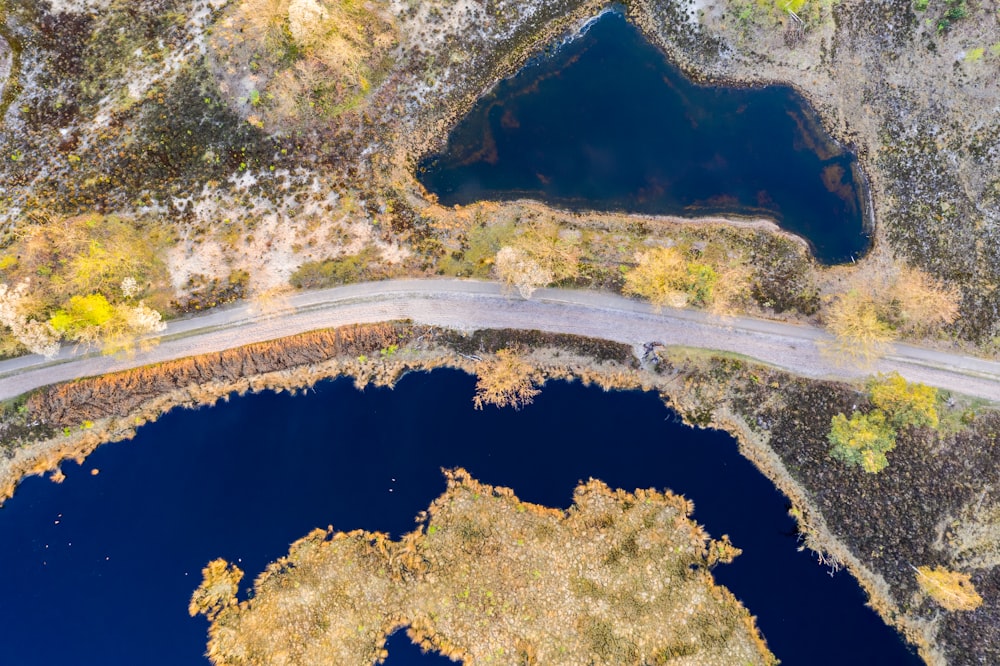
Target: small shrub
974 55
504 381
346 269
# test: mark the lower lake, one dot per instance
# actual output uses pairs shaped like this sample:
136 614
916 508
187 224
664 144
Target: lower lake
607 123
99 569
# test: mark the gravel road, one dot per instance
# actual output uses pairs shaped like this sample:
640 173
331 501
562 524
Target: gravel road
470 305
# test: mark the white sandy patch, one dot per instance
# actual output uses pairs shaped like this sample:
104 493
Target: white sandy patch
236 228
6 58
188 259
77 6
695 9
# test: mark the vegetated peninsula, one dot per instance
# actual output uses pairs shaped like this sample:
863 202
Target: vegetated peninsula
163 157
620 578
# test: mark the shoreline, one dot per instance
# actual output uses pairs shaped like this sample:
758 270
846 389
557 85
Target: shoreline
46 457
436 136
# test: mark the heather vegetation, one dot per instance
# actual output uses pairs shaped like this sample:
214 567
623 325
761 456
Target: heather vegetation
619 578
84 279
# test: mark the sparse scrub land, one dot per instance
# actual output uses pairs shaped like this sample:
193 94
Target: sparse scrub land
298 62
490 579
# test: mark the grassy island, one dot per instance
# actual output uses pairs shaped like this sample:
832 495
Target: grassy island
619 578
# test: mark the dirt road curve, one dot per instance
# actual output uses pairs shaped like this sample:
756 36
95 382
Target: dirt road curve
469 305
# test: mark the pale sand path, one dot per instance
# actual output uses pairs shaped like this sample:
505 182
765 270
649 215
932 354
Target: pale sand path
470 305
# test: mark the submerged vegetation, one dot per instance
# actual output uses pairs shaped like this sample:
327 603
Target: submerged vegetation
620 578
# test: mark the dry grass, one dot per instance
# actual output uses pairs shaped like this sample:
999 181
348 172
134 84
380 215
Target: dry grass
951 589
620 578
505 381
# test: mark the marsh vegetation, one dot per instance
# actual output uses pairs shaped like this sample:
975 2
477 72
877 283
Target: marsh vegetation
620 578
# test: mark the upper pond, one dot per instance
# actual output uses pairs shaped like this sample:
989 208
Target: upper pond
99 569
606 123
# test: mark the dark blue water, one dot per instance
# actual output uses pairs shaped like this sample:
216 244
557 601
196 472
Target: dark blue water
607 123
99 569
402 652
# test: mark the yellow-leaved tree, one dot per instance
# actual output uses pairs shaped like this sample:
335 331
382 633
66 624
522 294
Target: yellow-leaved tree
888 299
860 334
862 439
865 438
906 404
952 589
703 275
85 279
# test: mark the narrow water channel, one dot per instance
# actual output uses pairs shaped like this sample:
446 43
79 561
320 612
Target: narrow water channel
106 561
607 123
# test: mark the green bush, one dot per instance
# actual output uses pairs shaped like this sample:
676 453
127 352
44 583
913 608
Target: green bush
350 268
863 439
